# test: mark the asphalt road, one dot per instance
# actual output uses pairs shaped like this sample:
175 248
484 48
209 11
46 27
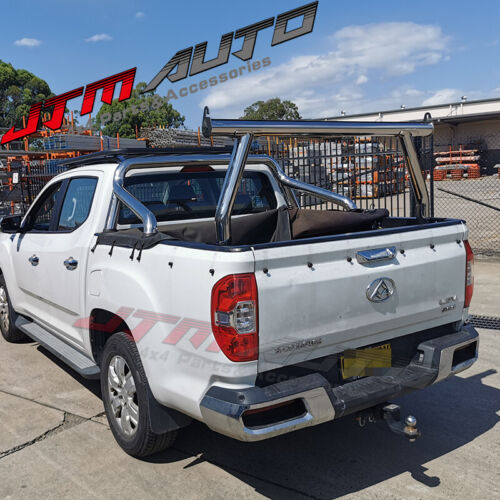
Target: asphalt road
54 441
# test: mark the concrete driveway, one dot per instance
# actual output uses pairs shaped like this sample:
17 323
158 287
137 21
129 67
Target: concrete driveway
55 443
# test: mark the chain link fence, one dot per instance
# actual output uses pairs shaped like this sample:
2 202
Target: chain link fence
467 182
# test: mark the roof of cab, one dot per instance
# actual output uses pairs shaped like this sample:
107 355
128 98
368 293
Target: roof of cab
118 155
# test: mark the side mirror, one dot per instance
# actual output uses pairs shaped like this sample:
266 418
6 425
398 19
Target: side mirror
11 224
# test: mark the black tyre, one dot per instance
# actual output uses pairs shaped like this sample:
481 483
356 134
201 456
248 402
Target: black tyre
124 392
8 316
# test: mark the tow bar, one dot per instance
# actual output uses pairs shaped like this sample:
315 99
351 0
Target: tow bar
390 413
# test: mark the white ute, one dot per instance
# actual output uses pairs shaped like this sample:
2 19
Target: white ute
195 287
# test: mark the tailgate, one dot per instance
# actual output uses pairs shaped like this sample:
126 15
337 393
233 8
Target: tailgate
314 302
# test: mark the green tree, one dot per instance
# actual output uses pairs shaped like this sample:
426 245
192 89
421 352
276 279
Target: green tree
19 89
272 109
141 110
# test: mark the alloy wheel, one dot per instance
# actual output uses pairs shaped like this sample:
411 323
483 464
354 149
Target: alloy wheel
123 396
4 310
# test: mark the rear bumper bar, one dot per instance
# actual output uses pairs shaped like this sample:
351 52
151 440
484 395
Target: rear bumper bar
224 409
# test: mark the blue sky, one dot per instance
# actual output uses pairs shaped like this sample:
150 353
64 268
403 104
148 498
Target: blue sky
361 56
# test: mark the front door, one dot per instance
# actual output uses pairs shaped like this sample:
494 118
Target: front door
65 273
52 256
31 246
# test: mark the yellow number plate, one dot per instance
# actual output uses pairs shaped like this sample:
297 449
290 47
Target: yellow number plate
364 362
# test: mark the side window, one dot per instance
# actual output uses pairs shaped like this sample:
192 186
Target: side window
40 219
77 203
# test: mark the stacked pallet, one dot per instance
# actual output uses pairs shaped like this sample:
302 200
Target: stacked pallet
457 164
168 137
313 162
53 166
363 168
87 143
374 173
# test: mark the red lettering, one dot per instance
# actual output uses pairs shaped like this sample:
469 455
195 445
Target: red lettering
34 116
110 326
149 319
203 330
108 88
213 347
59 103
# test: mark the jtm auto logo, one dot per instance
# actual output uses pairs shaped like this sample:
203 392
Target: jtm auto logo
195 56
184 63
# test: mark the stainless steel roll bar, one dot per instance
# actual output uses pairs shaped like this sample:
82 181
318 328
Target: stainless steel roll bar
309 128
120 193
417 179
147 217
232 183
149 220
230 188
244 130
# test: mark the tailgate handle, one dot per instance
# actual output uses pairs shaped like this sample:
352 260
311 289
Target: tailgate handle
376 255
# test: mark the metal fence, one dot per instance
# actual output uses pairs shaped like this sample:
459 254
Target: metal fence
21 183
370 170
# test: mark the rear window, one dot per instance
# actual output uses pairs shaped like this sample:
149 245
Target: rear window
194 195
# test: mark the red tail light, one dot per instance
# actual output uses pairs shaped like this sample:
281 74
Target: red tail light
469 273
235 316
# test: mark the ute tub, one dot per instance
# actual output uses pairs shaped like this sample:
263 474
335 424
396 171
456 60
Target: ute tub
259 413
189 234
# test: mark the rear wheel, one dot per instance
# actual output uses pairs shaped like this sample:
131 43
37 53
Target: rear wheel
125 392
8 316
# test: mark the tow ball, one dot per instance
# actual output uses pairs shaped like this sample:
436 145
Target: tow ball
390 413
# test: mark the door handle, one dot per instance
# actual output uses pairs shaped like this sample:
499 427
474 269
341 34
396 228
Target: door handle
34 260
376 255
71 264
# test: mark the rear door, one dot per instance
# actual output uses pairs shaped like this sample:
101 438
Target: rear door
316 298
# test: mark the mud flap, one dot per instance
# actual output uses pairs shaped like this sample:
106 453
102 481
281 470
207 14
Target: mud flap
163 419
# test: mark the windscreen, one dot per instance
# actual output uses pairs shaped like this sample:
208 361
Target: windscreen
194 195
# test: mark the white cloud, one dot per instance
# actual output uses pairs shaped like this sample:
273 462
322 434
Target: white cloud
383 50
139 15
413 92
28 42
362 79
443 96
395 48
102 37
408 96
